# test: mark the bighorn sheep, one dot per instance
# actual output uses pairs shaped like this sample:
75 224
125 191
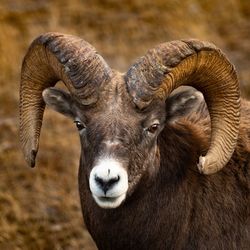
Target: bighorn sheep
139 184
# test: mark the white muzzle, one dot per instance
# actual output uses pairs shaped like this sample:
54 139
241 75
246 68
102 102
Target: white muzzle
108 183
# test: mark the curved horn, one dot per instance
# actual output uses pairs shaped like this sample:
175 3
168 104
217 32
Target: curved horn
50 58
205 67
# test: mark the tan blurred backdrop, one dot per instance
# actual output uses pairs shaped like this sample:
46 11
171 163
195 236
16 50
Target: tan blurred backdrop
39 208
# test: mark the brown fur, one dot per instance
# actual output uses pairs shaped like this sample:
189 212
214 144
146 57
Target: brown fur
179 208
169 204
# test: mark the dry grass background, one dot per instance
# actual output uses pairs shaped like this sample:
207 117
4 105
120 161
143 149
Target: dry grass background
39 208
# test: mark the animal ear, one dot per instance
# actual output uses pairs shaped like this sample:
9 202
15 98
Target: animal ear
59 100
184 101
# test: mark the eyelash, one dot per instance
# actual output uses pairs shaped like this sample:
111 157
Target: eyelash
153 128
80 126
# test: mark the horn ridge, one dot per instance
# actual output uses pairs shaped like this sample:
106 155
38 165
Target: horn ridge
52 57
205 67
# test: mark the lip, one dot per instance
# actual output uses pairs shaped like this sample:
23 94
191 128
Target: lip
108 199
109 202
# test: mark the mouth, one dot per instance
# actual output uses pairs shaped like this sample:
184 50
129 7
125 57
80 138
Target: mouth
109 202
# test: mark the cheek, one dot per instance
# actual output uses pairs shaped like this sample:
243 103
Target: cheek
152 163
145 151
143 162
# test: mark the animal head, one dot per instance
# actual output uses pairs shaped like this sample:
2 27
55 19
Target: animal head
120 116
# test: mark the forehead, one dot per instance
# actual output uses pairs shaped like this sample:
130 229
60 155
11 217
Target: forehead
114 98
116 105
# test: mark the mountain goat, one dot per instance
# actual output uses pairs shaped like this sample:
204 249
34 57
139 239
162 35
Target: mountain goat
153 175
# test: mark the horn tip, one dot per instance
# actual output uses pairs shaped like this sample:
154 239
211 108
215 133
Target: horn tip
207 167
31 158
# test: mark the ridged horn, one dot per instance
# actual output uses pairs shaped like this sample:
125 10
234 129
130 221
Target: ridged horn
203 66
52 57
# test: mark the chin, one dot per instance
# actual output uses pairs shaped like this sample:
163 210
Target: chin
109 202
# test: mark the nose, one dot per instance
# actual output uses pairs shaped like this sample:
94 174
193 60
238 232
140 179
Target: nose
107 183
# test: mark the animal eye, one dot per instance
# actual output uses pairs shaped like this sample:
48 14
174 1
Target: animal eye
153 128
79 125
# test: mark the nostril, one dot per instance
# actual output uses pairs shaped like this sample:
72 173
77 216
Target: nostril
99 180
113 180
105 185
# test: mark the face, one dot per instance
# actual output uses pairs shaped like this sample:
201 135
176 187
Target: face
117 148
119 142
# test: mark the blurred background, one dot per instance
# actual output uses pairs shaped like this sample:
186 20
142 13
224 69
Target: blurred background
40 208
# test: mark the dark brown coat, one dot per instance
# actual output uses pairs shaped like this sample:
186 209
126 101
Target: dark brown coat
180 208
